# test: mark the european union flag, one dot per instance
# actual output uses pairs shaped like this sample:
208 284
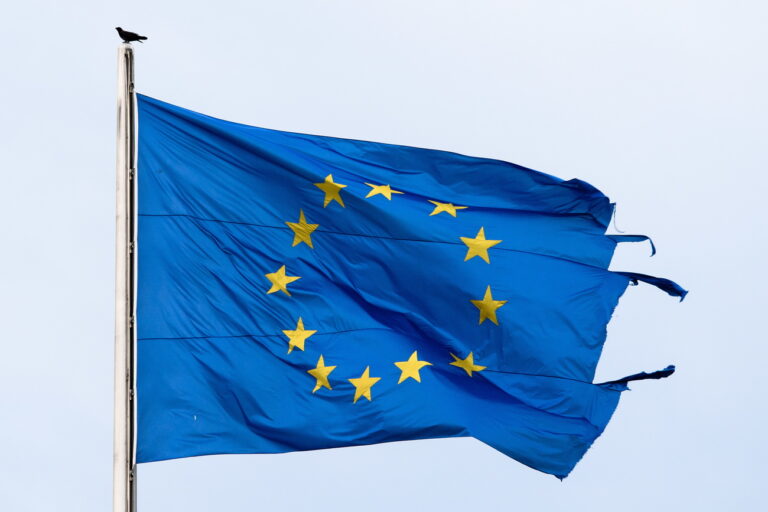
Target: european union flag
299 292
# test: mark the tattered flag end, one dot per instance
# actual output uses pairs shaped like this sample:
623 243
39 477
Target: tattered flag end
633 238
659 374
671 287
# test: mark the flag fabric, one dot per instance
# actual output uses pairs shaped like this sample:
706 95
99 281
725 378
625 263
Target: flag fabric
299 292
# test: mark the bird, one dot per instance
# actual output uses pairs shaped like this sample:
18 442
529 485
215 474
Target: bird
127 37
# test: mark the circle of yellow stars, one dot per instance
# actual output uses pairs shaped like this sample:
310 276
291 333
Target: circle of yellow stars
477 246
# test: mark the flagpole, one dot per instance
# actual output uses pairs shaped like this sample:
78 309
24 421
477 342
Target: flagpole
124 466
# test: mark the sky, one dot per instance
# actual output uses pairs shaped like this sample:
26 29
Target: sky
659 104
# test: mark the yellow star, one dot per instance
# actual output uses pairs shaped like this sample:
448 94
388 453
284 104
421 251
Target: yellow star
302 232
448 208
411 367
468 364
280 281
297 337
321 373
488 306
332 190
477 246
363 385
384 190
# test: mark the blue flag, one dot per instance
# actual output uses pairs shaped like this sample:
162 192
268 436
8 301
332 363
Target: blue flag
299 292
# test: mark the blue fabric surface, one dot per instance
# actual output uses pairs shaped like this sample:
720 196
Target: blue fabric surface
383 279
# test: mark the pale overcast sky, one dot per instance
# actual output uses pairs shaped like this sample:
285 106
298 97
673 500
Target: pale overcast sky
660 104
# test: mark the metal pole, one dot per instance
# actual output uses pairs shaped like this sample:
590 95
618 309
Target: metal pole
124 466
